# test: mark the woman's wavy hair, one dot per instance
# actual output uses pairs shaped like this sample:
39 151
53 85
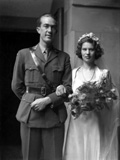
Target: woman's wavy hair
98 50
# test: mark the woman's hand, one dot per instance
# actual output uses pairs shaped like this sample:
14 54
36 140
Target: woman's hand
60 90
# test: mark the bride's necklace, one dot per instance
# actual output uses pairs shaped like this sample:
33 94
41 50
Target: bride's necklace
90 77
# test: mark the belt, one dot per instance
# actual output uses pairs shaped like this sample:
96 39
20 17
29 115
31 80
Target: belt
42 90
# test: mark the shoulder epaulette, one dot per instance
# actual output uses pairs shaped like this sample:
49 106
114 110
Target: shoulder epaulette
33 48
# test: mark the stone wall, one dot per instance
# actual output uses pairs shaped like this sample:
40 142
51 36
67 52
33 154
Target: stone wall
99 17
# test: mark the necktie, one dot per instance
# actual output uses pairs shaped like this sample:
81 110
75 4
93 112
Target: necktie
46 54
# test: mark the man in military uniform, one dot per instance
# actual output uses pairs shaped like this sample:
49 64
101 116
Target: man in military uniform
41 112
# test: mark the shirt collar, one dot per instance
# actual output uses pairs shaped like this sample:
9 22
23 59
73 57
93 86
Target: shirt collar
43 49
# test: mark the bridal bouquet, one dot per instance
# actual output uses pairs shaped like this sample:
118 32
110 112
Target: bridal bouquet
92 96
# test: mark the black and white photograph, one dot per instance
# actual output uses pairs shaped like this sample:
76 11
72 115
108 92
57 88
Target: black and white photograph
60 80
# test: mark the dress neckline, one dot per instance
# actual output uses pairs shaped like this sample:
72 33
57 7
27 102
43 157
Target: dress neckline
91 76
77 69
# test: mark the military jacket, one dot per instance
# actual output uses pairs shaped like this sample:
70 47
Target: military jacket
26 74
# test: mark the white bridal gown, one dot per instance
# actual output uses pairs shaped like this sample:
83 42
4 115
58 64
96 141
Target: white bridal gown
92 136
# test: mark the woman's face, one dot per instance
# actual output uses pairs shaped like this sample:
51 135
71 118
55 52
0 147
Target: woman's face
88 52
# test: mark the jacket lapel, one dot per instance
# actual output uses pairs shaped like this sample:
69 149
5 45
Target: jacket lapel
39 54
53 54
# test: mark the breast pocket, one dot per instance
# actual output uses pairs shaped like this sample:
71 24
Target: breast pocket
32 73
57 73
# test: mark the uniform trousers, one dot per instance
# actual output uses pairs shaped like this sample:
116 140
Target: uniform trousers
42 143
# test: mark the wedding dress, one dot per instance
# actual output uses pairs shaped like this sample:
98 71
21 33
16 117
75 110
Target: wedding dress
93 135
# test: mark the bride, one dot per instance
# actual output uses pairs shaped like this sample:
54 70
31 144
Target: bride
92 135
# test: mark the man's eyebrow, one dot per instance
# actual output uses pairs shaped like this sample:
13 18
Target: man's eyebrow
49 24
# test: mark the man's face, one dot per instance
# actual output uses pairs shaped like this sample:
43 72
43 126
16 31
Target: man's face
47 29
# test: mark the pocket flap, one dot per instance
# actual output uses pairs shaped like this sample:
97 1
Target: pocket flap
57 68
30 67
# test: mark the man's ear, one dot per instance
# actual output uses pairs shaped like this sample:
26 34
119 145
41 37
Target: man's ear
38 29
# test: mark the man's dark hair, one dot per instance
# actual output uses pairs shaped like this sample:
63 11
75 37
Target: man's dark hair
45 15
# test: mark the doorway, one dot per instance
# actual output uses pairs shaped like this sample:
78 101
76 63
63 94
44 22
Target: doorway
10 43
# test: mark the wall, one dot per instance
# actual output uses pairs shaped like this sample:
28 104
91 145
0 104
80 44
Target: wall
57 9
8 23
101 18
56 4
21 14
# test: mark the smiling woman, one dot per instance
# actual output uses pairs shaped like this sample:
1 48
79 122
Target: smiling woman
92 127
88 53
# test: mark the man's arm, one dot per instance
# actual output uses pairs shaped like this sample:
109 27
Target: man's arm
53 98
17 84
66 82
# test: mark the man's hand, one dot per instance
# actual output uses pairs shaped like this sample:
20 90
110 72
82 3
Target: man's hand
60 90
40 103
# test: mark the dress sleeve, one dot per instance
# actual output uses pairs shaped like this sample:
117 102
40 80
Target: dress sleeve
107 75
